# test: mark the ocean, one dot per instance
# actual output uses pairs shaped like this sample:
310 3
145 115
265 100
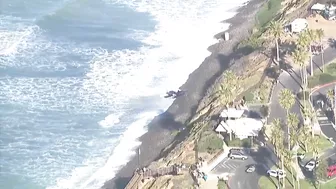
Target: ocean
81 79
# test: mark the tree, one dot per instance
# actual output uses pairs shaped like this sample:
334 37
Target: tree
300 58
331 97
321 172
275 29
292 123
277 136
320 36
311 35
287 100
304 137
228 88
309 115
314 146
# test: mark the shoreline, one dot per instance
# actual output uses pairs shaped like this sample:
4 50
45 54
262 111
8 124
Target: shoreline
160 129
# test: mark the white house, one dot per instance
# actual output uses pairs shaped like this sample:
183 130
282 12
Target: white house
318 7
242 128
299 25
232 113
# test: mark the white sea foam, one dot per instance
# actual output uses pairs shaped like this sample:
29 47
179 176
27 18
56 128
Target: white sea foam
117 82
84 178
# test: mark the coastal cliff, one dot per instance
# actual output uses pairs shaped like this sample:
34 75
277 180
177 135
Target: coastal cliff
166 144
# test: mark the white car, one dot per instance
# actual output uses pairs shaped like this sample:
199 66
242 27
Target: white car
311 165
234 155
277 173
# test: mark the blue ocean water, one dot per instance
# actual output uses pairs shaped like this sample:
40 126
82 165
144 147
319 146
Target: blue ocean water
80 79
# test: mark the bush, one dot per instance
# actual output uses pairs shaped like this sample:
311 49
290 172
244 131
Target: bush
209 143
246 143
264 111
221 184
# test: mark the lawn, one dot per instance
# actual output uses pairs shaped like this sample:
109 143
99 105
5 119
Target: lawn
320 78
323 144
266 183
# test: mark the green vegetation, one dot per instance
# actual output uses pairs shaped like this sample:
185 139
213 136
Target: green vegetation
271 182
320 78
247 143
322 145
268 12
209 142
260 94
221 184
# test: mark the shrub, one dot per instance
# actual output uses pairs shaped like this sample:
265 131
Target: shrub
209 143
221 184
264 110
246 143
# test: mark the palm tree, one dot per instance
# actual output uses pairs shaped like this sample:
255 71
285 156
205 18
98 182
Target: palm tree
331 97
314 147
300 58
277 136
228 88
287 161
276 31
287 100
309 115
311 34
320 36
292 122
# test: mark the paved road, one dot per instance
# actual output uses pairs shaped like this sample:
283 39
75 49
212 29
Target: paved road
292 81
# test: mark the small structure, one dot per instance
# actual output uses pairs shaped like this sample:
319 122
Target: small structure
232 113
235 121
299 25
242 128
318 8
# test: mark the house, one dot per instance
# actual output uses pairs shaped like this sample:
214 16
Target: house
299 25
242 128
235 121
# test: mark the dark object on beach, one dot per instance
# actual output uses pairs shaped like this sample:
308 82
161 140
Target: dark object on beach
170 94
174 94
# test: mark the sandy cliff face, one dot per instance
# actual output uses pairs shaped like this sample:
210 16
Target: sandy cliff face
258 60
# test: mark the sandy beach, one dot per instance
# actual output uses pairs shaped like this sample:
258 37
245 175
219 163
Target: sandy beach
222 58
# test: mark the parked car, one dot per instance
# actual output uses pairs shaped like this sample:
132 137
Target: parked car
237 155
237 150
311 165
250 168
331 171
276 173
